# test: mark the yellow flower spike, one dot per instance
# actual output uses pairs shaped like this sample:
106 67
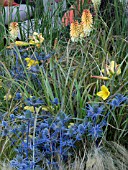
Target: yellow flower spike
87 21
13 30
104 93
74 31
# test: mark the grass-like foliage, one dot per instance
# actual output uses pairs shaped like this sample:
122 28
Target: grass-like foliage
63 89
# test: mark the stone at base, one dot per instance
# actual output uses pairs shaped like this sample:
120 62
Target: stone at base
17 13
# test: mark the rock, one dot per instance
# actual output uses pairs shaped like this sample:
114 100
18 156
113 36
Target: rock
17 13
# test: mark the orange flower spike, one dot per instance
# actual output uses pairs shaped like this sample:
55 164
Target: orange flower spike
74 31
87 21
81 31
68 17
65 19
13 30
87 17
71 15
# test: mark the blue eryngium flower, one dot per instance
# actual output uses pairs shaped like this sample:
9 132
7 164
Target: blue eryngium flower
95 131
94 111
18 96
118 100
12 116
55 101
33 101
4 123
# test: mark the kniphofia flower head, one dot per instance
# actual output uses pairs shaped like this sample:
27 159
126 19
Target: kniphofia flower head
104 93
96 4
68 17
81 30
74 31
13 30
87 21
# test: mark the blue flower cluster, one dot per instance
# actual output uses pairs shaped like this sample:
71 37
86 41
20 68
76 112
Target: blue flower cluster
18 69
39 135
118 100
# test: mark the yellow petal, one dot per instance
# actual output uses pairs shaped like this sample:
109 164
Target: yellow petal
104 88
45 108
118 70
112 67
31 42
27 59
104 93
31 108
21 43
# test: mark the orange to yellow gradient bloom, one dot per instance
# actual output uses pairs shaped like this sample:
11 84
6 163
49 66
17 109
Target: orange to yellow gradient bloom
74 31
104 93
13 30
87 21
96 4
